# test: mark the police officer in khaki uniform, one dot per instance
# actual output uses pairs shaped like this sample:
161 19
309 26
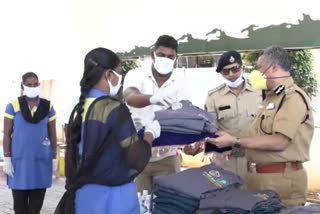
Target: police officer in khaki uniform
280 135
234 105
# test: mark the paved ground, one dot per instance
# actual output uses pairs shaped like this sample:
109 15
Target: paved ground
53 195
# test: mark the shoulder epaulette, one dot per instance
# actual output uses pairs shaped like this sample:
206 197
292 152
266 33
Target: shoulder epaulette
216 89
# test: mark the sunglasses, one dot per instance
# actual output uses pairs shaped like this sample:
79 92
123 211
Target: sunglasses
234 70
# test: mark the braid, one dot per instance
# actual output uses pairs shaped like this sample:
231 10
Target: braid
96 62
74 133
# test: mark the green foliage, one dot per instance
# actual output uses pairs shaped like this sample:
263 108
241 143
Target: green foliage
301 66
250 60
128 65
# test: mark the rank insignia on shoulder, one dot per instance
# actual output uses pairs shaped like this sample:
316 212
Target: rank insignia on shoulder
270 106
279 89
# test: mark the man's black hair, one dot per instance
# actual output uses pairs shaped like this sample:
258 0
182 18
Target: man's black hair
167 41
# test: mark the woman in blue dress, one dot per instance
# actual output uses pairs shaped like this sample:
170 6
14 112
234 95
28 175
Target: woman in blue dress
104 154
29 147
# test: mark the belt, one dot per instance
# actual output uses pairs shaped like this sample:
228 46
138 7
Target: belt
274 167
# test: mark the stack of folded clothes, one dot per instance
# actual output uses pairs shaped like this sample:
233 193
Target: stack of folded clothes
188 119
185 125
181 193
168 202
237 201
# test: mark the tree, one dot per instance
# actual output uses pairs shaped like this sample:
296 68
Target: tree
127 65
301 68
303 75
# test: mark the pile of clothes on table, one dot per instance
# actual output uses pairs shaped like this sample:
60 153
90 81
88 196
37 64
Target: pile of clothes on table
210 190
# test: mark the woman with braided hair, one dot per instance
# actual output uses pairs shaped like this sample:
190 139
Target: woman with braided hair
104 154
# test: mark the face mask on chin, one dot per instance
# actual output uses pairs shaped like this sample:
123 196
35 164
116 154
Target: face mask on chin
163 65
31 92
115 89
235 83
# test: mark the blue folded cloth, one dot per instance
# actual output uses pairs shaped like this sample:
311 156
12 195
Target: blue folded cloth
175 139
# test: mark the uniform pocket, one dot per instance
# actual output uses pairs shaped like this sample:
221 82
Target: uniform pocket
252 113
225 114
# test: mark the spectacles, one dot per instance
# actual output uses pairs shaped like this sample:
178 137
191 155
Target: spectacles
234 70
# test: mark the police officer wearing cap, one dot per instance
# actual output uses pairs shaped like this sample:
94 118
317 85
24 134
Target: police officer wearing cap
280 136
234 104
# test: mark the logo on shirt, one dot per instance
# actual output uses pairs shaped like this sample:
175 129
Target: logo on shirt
214 173
262 196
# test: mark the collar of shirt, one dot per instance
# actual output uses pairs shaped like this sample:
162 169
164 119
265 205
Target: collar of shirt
171 79
96 93
247 86
287 83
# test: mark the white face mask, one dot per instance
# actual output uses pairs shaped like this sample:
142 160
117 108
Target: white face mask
163 65
236 83
31 92
114 89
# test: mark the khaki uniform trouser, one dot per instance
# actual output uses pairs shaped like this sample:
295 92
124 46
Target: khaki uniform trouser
237 165
290 185
166 166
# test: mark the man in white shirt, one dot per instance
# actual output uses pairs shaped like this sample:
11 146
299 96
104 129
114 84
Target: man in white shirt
151 89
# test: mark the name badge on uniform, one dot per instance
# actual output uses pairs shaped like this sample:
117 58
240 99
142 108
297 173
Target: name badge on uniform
221 108
270 106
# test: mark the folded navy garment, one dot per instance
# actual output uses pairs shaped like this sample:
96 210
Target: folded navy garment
309 209
204 180
179 130
177 207
175 201
174 198
171 139
166 209
239 199
183 124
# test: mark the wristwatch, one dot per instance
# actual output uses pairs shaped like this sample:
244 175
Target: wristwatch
237 143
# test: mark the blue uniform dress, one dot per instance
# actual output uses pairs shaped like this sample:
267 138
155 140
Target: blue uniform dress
31 151
100 199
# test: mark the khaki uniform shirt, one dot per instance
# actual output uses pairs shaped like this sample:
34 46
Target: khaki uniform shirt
292 120
233 113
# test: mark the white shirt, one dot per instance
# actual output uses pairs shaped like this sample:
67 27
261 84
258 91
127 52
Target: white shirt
142 79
